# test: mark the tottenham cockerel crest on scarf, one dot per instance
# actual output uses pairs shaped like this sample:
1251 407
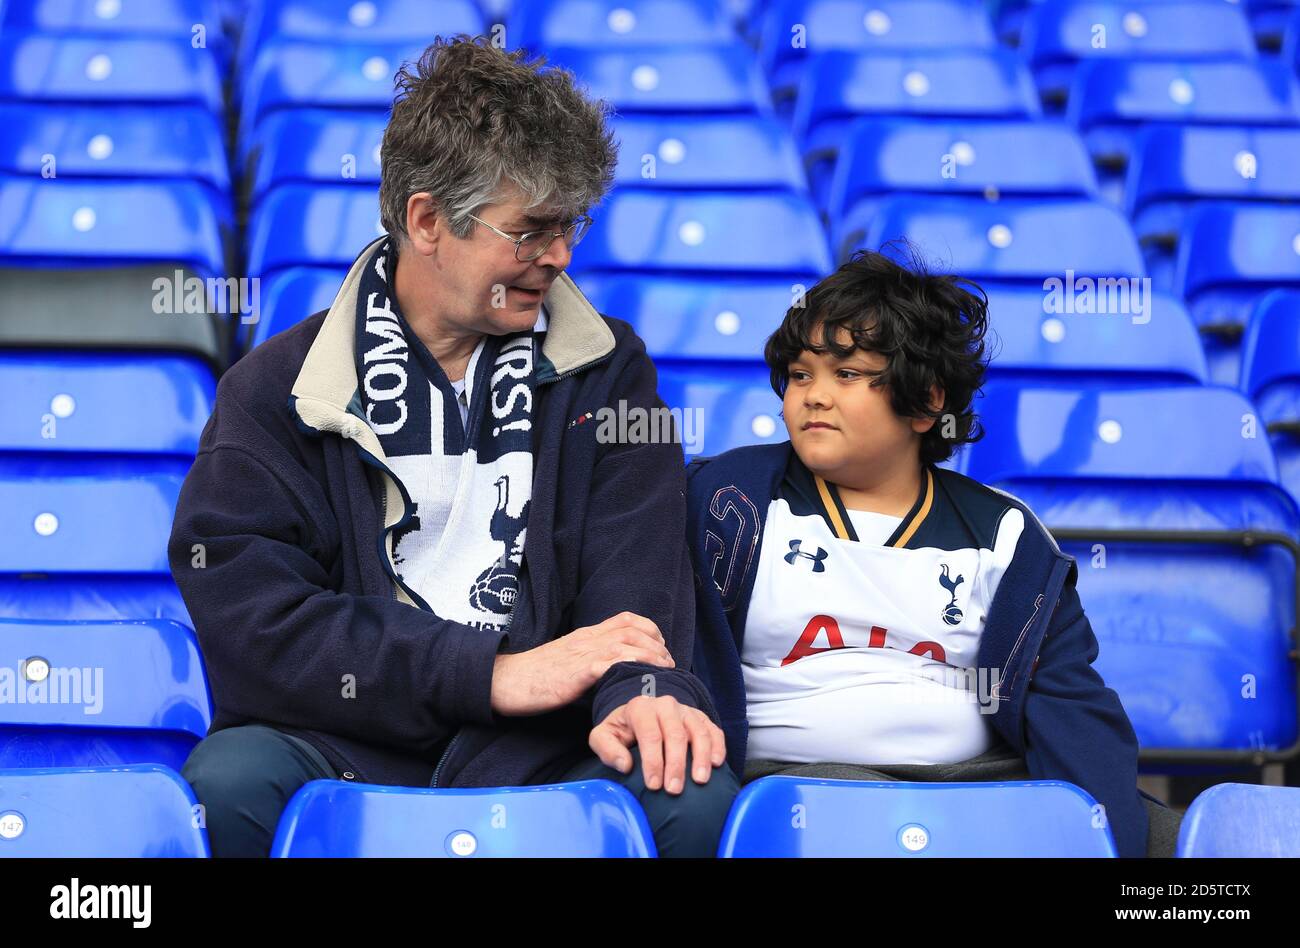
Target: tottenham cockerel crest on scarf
460 550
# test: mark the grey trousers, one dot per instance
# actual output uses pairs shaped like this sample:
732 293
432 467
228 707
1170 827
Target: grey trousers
999 763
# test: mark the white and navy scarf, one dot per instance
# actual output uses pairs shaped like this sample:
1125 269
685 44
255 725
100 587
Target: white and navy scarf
460 550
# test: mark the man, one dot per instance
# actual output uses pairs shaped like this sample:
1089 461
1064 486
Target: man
418 566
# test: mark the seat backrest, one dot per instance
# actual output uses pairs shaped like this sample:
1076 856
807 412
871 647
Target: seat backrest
1177 162
973 156
320 146
92 514
269 22
605 24
96 223
101 70
1241 820
1092 434
94 401
109 308
857 818
670 79
1271 356
92 694
117 141
1130 92
590 818
315 225
875 26
142 811
1070 30
839 85
303 74
1238 248
690 232
1017 239
740 152
1030 338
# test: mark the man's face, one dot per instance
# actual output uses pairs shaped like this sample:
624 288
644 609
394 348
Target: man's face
841 426
479 284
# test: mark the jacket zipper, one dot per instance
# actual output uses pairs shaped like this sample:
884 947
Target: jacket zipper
441 760
437 770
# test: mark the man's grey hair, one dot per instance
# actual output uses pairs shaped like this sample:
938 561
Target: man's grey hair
470 118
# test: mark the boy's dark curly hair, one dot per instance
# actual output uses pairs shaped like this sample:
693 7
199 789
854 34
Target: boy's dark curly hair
928 326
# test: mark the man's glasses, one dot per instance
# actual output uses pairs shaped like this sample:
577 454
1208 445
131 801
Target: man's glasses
532 245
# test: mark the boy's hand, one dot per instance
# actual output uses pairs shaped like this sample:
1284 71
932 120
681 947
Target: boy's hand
664 729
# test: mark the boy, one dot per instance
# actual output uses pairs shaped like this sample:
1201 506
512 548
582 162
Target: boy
864 614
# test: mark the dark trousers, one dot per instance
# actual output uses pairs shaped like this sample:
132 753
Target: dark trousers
245 776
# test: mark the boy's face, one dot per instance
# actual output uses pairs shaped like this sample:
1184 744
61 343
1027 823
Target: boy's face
842 427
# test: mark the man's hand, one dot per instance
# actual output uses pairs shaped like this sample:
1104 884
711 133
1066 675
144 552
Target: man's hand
557 673
663 728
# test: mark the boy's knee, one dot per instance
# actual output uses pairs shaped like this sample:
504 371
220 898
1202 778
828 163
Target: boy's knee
690 823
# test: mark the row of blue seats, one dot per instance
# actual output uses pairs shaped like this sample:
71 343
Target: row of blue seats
149 811
1180 622
1229 253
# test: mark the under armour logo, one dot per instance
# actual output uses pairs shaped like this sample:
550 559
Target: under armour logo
951 614
817 567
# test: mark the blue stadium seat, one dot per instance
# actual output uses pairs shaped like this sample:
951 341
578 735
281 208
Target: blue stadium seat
864 26
353 22
1237 820
1169 500
292 295
838 87
541 25
110 141
111 17
300 225
882 819
101 70
104 223
322 146
702 152
1270 376
1015 240
695 318
689 232
1229 256
1174 167
730 404
980 159
101 694
312 75
1057 36
591 818
95 514
142 811
1286 27
86 536
1112 98
673 80
88 597
62 401
1157 346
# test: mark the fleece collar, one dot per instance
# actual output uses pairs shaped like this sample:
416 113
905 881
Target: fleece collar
324 394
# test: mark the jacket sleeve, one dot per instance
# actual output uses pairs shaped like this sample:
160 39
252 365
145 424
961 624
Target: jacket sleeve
1076 729
635 557
256 562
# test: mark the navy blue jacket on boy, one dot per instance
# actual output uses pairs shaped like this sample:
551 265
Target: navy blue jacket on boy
302 621
1053 708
